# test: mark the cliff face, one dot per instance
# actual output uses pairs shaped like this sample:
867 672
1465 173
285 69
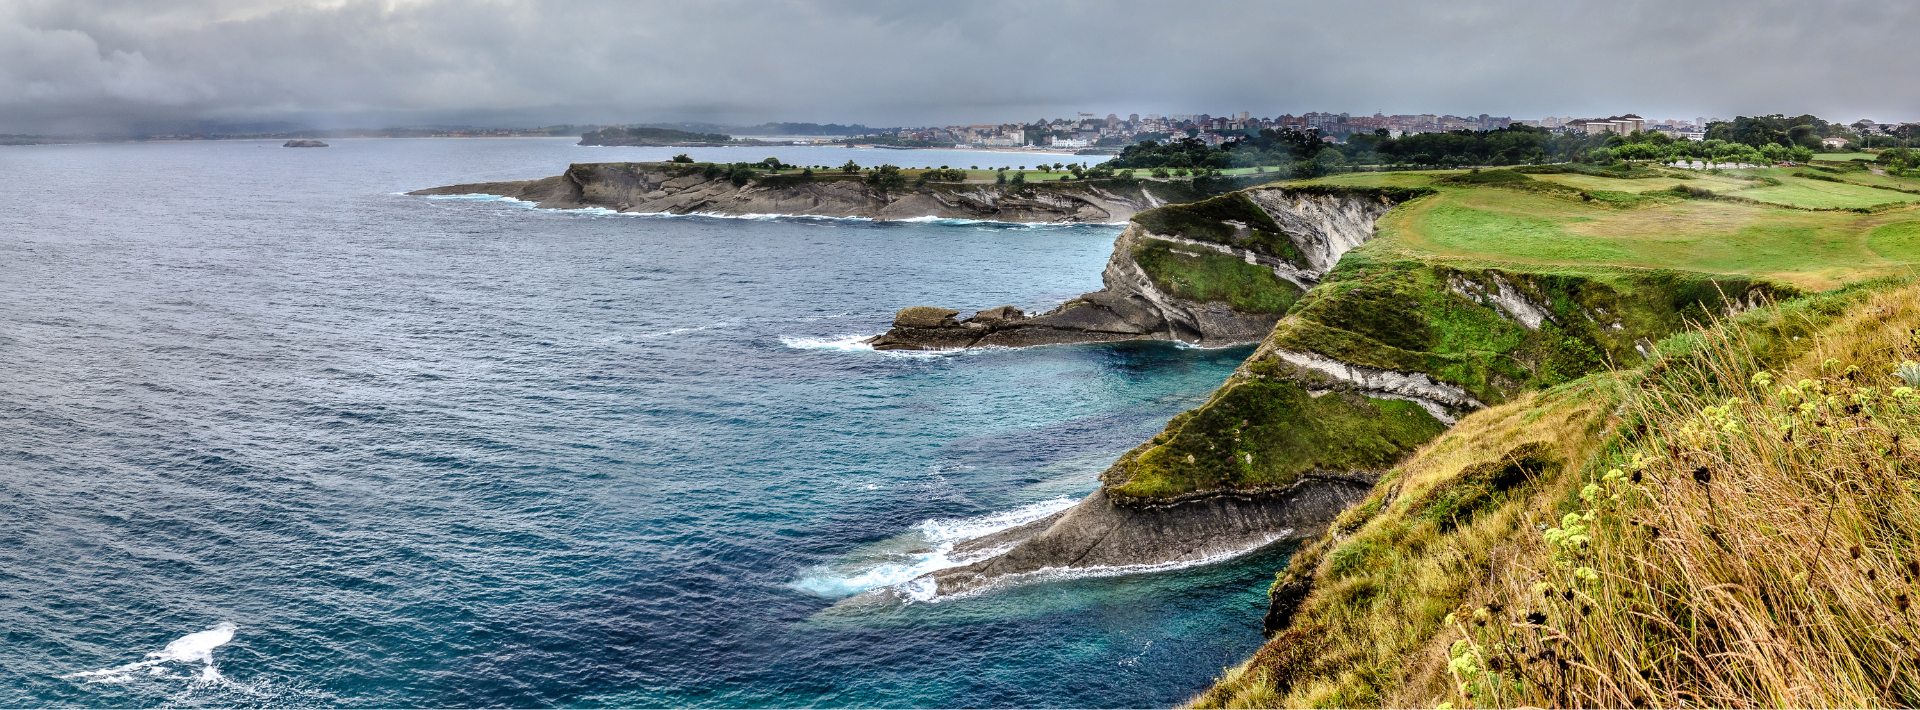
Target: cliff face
1384 353
688 189
1215 272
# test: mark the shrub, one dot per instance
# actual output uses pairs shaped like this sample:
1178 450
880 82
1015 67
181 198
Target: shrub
682 158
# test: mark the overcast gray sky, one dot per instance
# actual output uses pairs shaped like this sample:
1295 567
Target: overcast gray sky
90 65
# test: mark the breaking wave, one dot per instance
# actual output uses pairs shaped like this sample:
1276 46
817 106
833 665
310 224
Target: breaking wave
926 547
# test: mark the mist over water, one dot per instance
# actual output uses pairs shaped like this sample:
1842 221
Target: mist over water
272 434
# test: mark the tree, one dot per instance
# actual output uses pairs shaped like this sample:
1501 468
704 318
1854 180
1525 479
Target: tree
886 177
682 158
999 177
850 167
1161 173
1020 179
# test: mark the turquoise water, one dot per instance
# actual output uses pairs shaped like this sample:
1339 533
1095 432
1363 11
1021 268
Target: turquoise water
273 434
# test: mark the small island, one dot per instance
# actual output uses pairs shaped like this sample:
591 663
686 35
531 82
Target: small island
302 143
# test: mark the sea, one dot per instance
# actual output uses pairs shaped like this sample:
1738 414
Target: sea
273 433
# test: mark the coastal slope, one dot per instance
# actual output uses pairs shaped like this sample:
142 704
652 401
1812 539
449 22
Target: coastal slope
1386 351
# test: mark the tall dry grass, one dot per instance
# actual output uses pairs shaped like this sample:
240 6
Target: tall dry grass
1752 540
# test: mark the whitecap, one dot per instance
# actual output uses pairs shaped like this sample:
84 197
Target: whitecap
858 343
927 547
196 647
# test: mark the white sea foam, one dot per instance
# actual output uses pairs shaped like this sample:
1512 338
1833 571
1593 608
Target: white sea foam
757 216
922 590
192 648
847 342
927 547
858 343
476 197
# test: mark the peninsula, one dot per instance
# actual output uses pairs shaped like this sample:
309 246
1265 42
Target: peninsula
883 192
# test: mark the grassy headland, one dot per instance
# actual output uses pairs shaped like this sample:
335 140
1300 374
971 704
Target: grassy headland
1643 513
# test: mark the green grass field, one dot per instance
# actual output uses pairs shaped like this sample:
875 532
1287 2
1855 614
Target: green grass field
1811 249
1820 194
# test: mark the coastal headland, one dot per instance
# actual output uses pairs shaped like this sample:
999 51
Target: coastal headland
715 189
1470 387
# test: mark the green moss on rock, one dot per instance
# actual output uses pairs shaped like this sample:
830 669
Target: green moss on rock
1260 433
1203 275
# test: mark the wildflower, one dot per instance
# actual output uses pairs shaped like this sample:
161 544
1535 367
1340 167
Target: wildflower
1903 392
1830 363
1590 492
1587 574
1763 379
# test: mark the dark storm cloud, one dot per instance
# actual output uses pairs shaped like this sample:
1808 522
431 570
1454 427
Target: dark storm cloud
78 65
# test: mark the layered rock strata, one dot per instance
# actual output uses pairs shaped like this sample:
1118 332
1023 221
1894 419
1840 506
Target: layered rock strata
1138 303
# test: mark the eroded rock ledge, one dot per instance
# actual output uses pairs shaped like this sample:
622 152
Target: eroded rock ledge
1100 532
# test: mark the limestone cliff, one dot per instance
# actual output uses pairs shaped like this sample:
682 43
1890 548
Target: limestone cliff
679 188
1216 272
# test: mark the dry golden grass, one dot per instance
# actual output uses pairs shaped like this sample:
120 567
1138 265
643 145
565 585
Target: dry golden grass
1390 570
1755 542
1617 573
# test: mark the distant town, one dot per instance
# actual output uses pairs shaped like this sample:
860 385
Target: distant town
1085 132
1088 131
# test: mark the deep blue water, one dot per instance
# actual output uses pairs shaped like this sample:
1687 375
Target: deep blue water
456 452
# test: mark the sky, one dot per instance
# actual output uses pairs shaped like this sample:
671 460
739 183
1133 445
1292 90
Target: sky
98 66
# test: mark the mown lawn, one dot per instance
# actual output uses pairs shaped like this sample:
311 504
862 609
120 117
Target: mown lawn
1815 250
1820 194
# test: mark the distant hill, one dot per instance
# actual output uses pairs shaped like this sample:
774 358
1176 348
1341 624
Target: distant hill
647 135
